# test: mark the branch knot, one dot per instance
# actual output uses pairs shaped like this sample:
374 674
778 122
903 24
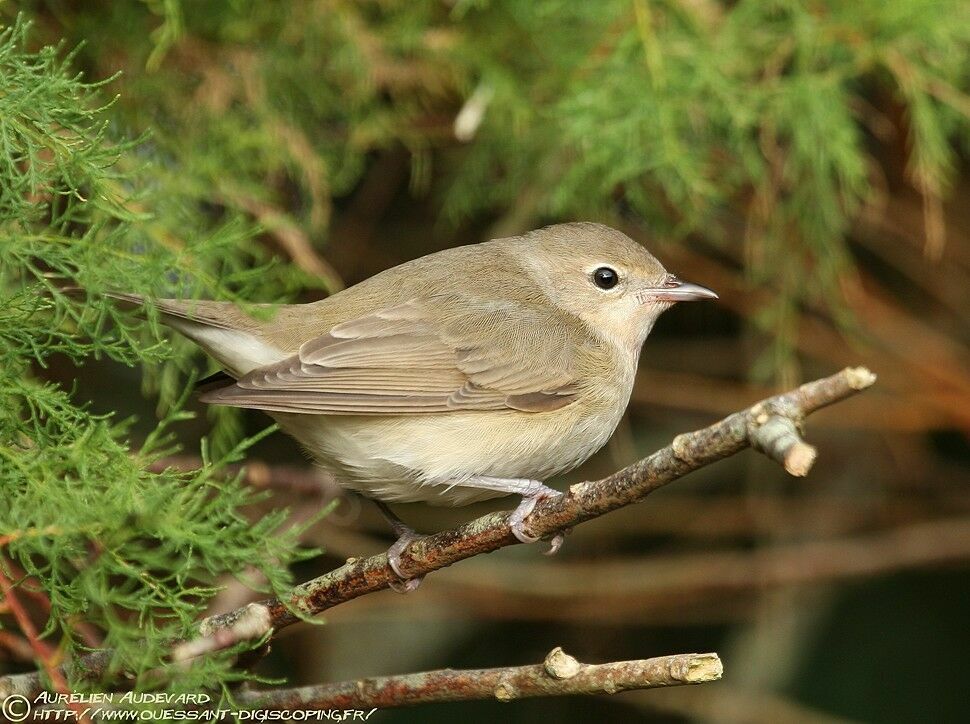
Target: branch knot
560 665
779 438
505 691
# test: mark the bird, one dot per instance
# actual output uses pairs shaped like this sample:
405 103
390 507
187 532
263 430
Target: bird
471 373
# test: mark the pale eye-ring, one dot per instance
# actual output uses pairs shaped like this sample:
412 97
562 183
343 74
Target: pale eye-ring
605 277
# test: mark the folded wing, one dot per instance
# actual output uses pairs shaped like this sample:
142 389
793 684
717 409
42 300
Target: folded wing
417 358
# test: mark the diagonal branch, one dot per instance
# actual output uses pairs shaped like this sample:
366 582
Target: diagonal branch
559 675
770 425
583 501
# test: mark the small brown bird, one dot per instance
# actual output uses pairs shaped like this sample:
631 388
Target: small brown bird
468 374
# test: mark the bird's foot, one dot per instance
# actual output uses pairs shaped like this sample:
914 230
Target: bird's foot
406 585
405 537
537 492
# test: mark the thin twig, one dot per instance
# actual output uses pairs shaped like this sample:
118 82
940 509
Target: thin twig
560 674
46 654
301 480
30 586
291 237
18 646
253 624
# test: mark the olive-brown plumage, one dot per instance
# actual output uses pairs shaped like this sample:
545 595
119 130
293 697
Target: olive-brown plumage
471 373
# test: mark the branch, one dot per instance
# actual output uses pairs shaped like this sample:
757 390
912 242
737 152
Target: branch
289 236
298 480
582 502
560 674
254 623
17 646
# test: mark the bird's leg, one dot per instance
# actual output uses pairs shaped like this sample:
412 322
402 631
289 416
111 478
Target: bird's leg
405 536
532 491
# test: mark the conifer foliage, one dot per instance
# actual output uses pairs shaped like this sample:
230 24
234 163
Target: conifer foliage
124 557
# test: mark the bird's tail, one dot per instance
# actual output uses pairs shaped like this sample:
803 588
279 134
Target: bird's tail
222 329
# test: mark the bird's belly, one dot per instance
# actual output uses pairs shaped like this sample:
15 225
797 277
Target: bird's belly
425 458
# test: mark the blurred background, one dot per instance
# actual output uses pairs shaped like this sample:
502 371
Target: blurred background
807 160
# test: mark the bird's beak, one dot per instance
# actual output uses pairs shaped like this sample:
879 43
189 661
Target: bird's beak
677 290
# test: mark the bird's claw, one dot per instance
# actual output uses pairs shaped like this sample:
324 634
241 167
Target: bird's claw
525 508
555 543
406 585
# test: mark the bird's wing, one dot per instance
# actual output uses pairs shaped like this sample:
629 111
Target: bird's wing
418 357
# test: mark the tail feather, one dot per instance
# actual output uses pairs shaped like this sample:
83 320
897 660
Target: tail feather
225 332
223 315
215 381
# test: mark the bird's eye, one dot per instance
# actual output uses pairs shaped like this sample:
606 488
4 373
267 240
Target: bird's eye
605 278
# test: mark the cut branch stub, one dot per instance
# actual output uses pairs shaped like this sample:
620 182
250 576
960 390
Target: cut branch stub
780 439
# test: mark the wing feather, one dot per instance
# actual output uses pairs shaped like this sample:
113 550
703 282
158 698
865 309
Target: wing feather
405 360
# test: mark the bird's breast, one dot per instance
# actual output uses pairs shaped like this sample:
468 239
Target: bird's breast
406 457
